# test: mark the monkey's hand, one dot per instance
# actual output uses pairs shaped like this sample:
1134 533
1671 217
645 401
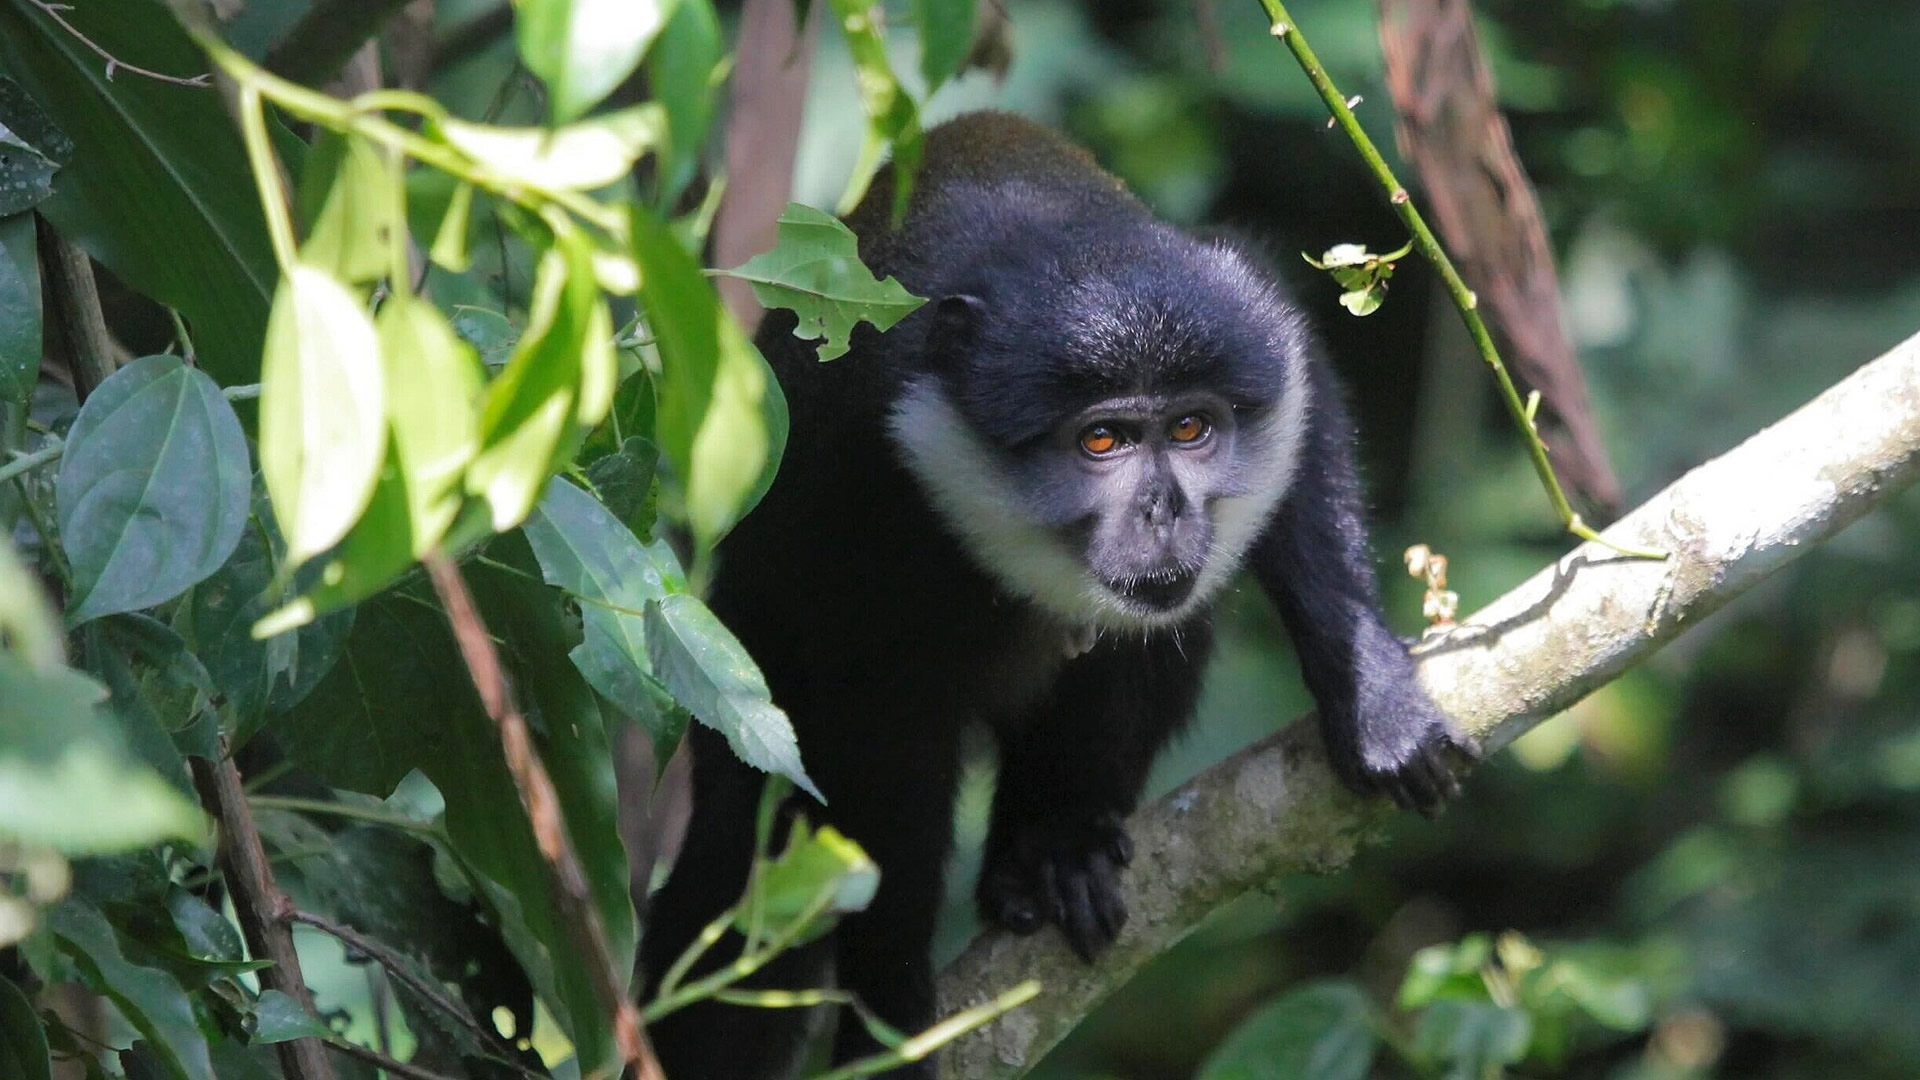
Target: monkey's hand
1063 872
1388 737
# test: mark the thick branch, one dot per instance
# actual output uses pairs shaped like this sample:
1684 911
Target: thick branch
1274 808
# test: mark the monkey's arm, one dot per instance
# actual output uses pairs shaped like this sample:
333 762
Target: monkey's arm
1070 772
1383 734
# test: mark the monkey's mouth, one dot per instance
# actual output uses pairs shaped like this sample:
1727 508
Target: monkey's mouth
1159 590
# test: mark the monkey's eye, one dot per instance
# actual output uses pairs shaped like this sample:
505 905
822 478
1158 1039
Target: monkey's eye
1190 429
1099 440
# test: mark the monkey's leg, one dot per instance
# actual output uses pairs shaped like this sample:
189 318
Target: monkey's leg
891 791
1070 773
1382 732
716 1041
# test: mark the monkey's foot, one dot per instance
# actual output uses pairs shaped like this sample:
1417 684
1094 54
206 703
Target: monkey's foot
1063 872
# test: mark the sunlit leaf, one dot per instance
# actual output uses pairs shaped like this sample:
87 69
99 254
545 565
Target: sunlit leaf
582 49
152 491
707 670
590 154
722 419
351 198
814 270
558 384
818 870
323 431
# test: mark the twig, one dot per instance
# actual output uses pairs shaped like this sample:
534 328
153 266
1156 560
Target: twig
542 804
381 1061
397 967
1283 27
114 63
259 904
28 462
76 306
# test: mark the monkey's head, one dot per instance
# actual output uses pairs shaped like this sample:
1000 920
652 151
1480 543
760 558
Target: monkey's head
1108 445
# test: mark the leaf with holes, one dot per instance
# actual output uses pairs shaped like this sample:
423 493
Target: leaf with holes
814 270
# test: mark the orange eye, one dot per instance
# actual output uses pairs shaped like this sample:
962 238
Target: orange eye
1189 429
1099 440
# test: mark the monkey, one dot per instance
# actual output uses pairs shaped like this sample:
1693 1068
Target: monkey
1017 508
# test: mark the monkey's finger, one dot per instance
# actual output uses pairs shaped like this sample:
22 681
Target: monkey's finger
1109 909
1081 923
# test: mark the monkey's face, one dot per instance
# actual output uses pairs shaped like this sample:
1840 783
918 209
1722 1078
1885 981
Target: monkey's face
1111 450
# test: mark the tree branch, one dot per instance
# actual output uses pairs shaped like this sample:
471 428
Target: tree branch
1275 808
258 903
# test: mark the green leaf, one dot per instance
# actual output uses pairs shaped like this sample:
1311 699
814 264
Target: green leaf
207 933
722 419
351 196
707 670
256 675
628 483
579 157
814 270
558 384
682 72
582 49
152 492
158 188
946 37
893 117
323 431
815 866
449 250
401 699
32 149
151 1000
583 549
434 389
66 780
23 1045
1473 1039
278 1018
1446 971
19 309
1322 1031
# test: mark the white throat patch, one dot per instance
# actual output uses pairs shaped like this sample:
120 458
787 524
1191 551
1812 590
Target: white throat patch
974 496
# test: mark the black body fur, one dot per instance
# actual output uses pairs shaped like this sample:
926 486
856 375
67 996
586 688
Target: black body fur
882 636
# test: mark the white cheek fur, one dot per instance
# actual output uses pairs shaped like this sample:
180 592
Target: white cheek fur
973 495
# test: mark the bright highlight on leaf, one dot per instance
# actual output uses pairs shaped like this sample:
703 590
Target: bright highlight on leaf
582 49
323 429
578 157
814 270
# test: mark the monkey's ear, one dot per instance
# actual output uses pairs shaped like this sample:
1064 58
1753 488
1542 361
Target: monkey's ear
956 325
